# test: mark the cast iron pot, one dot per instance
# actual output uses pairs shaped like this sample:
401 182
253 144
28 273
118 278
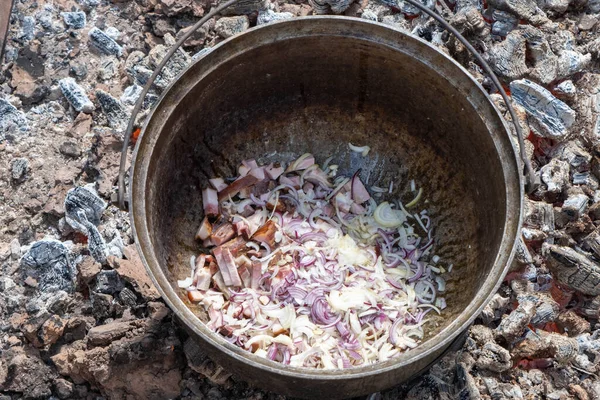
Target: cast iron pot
313 85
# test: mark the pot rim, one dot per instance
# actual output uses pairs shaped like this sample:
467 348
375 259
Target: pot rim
435 344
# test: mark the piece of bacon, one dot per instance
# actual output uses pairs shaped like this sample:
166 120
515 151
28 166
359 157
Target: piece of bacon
236 186
242 229
227 266
293 181
205 230
359 191
256 274
210 201
222 234
273 172
236 246
266 234
218 183
195 296
258 173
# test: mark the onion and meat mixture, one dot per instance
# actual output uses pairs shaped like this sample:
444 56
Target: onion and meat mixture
304 267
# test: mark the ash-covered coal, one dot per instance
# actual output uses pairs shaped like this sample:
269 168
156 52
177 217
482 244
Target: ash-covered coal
48 263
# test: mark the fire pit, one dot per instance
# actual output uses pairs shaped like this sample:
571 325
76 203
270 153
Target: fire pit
314 85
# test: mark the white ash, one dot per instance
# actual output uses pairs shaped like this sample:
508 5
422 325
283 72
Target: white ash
555 175
549 117
76 95
268 16
566 89
229 26
113 33
100 40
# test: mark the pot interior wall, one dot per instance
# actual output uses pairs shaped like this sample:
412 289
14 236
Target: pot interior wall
316 94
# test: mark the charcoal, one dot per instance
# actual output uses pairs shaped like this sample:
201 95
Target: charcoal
558 6
549 117
575 206
58 302
131 94
48 262
513 325
83 210
572 269
108 282
108 68
585 178
83 202
70 149
336 6
572 323
522 254
18 169
574 153
593 6
493 357
546 310
115 111
45 17
539 53
592 242
89 4
498 390
134 58
494 309
507 58
11 119
128 297
178 62
104 43
75 20
470 20
75 95
27 29
524 9
504 22
539 215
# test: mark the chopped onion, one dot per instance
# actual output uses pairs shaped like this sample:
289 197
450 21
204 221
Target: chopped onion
387 217
363 150
339 284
